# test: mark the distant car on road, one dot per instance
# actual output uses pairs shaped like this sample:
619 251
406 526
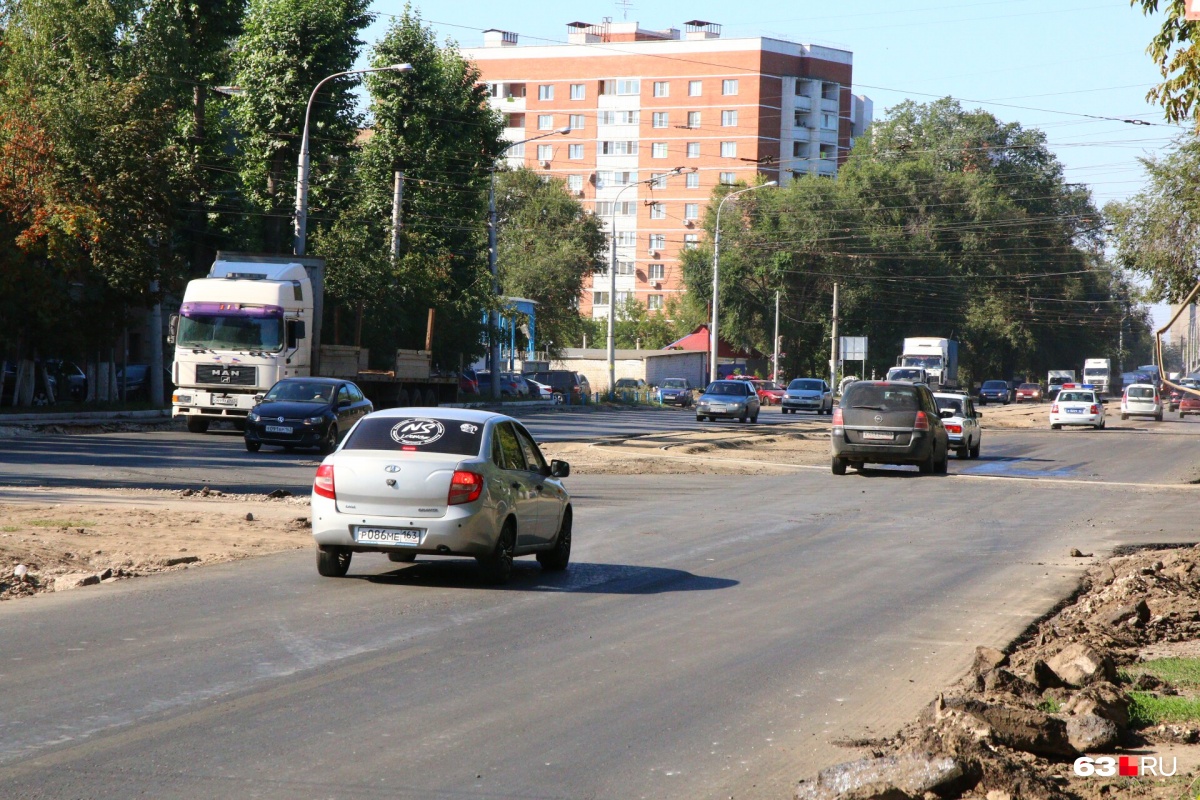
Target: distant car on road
570 386
1141 400
1189 406
728 399
807 394
888 422
676 391
1076 405
411 482
1029 391
305 412
962 423
995 392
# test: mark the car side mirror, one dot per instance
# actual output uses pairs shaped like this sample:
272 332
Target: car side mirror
295 332
258 398
559 469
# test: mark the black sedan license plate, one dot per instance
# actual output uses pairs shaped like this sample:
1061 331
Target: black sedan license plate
277 428
403 537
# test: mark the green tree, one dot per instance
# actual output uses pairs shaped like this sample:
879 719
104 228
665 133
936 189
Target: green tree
547 246
286 49
1176 53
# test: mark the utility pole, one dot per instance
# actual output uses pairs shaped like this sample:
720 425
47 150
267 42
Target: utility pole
397 199
775 363
494 315
833 344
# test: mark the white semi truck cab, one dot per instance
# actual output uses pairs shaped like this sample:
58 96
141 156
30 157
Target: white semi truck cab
938 357
1098 372
250 322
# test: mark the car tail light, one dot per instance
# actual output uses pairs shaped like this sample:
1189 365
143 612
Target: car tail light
837 417
1094 410
922 423
954 428
1054 408
465 487
323 483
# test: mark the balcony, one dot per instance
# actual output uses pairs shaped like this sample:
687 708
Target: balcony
829 105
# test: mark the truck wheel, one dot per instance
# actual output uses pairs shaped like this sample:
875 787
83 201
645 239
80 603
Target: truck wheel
197 425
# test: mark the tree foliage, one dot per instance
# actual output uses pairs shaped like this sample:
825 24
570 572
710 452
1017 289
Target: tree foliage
1176 52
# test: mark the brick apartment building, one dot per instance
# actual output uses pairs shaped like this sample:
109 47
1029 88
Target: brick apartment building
641 103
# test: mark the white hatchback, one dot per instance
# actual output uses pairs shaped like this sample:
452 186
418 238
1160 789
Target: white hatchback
412 482
1076 405
1141 400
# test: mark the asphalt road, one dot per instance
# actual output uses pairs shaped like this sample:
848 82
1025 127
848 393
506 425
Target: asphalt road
714 637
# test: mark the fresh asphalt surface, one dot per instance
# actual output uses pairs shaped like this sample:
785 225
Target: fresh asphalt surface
714 636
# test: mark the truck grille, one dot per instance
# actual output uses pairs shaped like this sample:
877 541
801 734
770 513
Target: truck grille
226 374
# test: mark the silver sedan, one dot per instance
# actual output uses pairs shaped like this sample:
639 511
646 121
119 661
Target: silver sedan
412 482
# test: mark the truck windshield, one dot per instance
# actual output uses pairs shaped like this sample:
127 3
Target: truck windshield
928 362
224 331
1097 371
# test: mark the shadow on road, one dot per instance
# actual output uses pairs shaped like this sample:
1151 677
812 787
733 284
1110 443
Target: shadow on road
529 577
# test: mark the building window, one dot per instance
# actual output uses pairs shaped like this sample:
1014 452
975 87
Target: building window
693 119
658 150
626 238
545 122
693 149
829 122
619 148
516 151
617 118
662 89
692 180
695 88
576 122
654 302
800 119
626 268
575 151
801 87
691 211
624 297
728 149
575 183
658 180
728 178
729 119
660 119
623 86
599 298
657 271
828 151
546 91
798 149
577 91
625 208
545 152
729 86
658 211
514 120
658 241
691 241
830 91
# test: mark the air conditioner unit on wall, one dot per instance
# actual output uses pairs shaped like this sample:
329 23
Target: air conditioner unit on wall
545 165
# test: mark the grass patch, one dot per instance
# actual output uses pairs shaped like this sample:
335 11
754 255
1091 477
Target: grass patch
1049 706
10 529
1180 672
58 523
1149 709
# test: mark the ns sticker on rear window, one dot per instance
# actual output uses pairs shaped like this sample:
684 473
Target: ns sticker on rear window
420 434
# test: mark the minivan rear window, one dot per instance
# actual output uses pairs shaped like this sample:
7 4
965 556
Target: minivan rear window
417 434
881 396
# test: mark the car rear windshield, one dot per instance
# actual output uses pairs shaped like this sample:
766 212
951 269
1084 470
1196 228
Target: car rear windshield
733 388
560 381
950 405
1141 392
1076 397
881 396
417 434
674 383
995 385
800 385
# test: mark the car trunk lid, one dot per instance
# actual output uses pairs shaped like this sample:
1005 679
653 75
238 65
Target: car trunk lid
382 484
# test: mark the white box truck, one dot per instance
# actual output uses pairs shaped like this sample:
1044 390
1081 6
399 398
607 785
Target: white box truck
1098 372
938 357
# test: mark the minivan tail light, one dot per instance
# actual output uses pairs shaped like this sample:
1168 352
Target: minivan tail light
837 417
465 487
323 483
922 423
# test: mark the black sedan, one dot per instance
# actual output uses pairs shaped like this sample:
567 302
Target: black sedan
305 412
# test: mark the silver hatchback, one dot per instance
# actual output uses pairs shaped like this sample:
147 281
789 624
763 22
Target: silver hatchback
728 400
807 394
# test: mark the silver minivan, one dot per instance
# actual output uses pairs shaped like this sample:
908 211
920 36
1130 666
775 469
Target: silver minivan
1141 400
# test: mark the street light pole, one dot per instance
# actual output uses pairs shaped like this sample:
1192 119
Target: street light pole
712 333
301 223
612 282
494 315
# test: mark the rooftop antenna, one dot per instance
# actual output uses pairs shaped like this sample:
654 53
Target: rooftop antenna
625 6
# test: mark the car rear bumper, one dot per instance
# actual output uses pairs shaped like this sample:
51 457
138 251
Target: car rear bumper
467 530
915 451
1075 419
802 404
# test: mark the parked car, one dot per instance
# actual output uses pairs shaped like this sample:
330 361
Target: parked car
570 386
1029 391
1076 406
808 394
630 384
137 385
888 422
1173 398
728 399
995 392
40 396
1189 406
69 376
1141 400
467 383
769 392
676 391
511 384
305 412
962 423
542 391
441 482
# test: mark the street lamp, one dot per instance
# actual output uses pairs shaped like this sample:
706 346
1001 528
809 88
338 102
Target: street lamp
301 224
494 316
612 280
712 334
